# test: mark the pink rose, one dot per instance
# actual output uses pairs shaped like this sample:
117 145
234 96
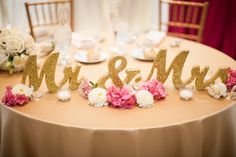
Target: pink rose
231 81
84 88
155 87
120 97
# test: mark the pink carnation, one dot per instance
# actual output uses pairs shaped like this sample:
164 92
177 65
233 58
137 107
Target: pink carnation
155 87
14 100
231 81
21 100
84 88
120 97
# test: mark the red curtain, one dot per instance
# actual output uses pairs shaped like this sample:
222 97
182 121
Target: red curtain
220 27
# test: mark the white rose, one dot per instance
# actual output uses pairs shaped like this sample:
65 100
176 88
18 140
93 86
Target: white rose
4 33
5 65
97 97
3 45
144 98
22 89
28 41
217 90
19 62
15 31
30 52
3 57
2 48
13 45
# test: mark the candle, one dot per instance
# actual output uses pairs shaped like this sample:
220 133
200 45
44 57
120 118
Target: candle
186 94
63 95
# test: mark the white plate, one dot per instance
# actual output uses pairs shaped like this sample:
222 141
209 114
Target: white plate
82 58
139 54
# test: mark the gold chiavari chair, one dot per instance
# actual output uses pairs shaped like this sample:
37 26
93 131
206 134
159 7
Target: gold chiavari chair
191 15
44 16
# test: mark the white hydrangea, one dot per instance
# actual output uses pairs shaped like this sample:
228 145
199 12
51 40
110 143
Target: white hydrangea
22 89
3 57
4 33
97 97
144 98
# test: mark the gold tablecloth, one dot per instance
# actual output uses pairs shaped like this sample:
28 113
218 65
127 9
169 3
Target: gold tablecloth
202 127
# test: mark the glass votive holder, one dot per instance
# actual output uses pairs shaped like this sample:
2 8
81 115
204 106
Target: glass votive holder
186 93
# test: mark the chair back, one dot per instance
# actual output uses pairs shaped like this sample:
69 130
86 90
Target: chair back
45 14
184 14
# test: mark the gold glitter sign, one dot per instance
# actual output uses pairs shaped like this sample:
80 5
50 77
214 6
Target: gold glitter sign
159 65
48 71
114 71
177 67
116 65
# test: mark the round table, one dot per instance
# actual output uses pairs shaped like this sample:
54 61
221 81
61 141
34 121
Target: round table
201 127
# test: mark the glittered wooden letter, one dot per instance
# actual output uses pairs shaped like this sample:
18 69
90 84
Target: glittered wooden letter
48 70
71 76
177 66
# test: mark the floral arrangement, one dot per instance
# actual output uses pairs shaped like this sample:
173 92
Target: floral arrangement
120 97
217 90
17 95
142 94
15 47
126 97
221 90
155 87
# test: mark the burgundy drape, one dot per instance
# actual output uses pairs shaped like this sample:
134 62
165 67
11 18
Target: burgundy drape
220 27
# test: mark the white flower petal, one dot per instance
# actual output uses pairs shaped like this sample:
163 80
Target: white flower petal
217 90
97 97
22 89
144 98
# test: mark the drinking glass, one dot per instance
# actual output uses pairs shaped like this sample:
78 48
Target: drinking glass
62 35
119 27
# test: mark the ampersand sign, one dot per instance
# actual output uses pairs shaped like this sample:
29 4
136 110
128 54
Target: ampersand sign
114 70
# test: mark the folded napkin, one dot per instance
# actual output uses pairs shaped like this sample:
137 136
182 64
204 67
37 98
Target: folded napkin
86 42
82 42
155 37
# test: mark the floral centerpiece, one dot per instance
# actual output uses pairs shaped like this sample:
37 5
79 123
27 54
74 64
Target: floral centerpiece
221 90
126 97
15 47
